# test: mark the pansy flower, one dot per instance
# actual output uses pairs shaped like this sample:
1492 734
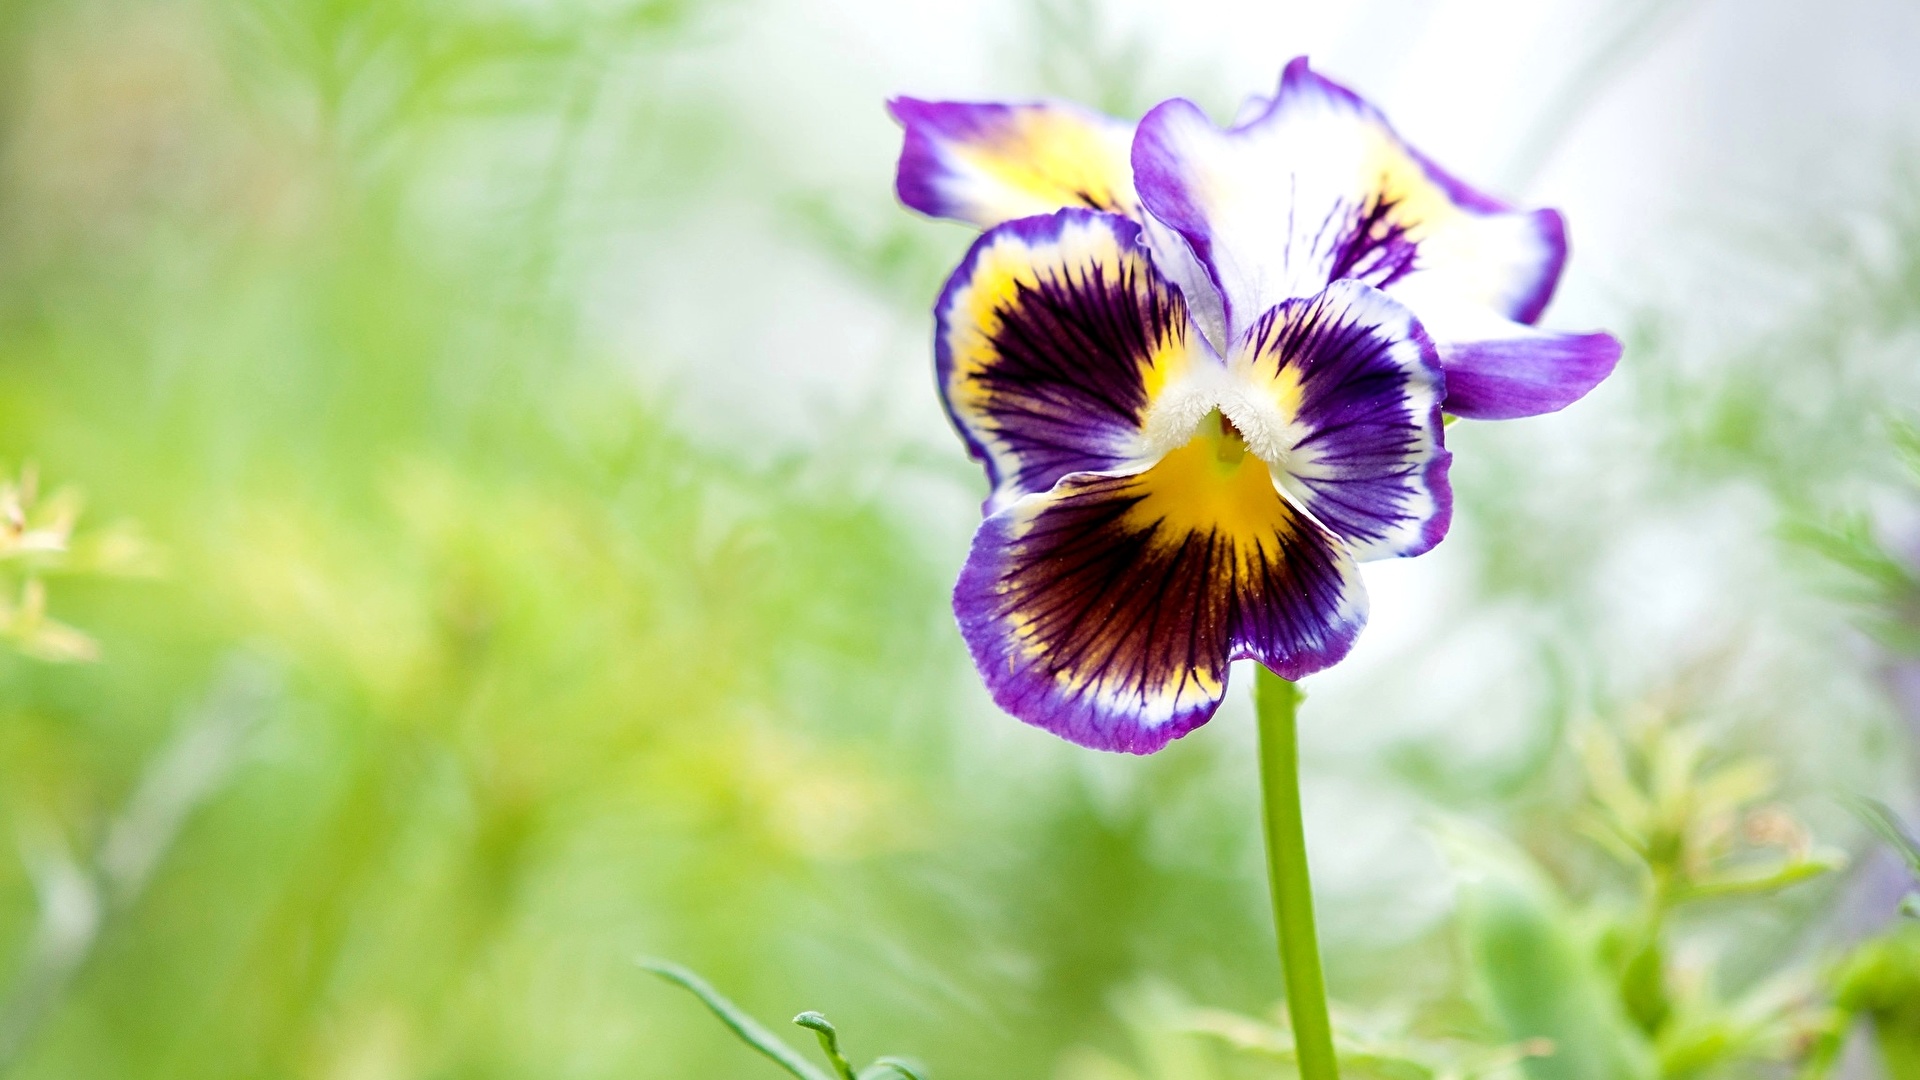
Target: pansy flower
1312 186
1205 371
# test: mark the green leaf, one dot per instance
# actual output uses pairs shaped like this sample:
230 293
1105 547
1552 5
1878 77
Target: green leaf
1537 979
746 1027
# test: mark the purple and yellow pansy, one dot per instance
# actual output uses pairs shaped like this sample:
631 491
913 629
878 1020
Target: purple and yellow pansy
1205 370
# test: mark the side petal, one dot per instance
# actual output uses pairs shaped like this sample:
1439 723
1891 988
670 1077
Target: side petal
985 164
1319 187
1054 339
1498 369
1108 610
1344 391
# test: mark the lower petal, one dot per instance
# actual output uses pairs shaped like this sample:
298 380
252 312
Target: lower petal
1108 609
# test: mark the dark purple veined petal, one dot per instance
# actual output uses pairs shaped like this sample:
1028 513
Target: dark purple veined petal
986 163
1318 187
1053 339
1347 388
1108 609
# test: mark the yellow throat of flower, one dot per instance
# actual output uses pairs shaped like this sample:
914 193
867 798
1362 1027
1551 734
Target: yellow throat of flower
1213 484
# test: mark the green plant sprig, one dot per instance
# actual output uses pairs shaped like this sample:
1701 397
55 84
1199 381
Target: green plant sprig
754 1034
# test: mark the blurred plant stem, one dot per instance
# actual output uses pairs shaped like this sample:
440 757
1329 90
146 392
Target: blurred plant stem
1277 702
77 897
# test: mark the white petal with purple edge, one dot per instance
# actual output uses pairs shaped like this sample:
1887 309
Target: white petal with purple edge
1319 187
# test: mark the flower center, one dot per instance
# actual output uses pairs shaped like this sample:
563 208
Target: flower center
1228 445
1213 484
1211 407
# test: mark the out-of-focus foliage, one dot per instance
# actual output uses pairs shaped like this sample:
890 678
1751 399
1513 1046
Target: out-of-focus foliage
555 681
1691 828
1881 982
277 285
37 541
454 661
1615 981
1886 824
1538 979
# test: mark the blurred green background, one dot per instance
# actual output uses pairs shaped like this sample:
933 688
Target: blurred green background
517 527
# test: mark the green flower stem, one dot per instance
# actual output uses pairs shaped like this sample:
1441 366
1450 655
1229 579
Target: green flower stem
1276 701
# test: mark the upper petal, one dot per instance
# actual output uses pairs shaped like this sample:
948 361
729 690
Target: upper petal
1175 260
1345 390
985 163
1319 187
1109 609
1054 339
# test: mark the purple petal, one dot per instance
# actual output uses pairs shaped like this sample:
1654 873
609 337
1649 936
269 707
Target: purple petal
1527 374
985 164
1532 293
1108 610
1049 340
1350 387
1319 187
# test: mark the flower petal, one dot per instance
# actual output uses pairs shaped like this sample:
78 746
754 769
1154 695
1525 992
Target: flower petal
1053 339
1108 609
1345 390
1319 188
1175 260
1498 369
1531 373
986 164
